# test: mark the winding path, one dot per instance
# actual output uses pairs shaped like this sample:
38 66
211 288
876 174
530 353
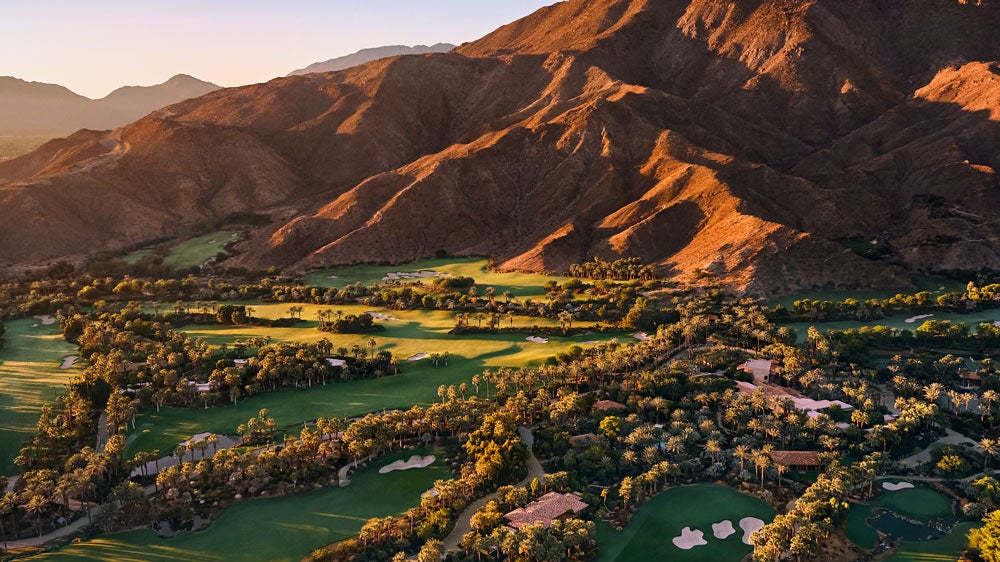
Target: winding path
951 437
464 523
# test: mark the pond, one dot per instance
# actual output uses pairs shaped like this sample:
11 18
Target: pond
895 526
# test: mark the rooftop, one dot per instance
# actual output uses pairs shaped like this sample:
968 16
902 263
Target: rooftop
546 509
796 458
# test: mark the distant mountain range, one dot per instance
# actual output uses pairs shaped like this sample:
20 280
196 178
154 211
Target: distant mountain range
369 55
38 109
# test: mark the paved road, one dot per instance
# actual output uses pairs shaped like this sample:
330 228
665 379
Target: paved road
464 523
66 531
951 437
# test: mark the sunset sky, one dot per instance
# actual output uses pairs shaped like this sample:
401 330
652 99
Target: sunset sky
94 47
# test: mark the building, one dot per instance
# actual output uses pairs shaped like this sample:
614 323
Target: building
801 461
546 509
608 406
970 380
761 369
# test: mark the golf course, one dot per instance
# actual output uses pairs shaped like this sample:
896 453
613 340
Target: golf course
30 376
274 529
685 511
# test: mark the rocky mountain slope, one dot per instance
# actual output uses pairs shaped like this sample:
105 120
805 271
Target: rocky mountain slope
735 141
35 108
369 55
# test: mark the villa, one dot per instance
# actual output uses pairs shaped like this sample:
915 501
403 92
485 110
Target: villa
546 509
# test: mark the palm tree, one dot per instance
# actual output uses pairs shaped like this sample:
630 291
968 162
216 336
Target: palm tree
371 345
990 449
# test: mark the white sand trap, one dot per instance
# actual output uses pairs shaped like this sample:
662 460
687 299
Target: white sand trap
432 493
211 241
536 339
403 275
336 362
47 319
641 336
34 325
894 487
380 316
750 525
913 319
588 343
723 529
416 461
689 539
332 277
417 357
68 361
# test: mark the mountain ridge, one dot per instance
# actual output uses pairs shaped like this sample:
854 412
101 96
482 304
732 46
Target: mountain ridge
37 108
734 142
370 54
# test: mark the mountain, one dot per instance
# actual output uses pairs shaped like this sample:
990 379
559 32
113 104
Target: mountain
35 109
369 55
749 143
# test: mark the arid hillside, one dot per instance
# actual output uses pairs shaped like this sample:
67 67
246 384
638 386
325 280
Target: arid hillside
742 142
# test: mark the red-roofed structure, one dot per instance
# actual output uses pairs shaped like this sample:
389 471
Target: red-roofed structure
546 509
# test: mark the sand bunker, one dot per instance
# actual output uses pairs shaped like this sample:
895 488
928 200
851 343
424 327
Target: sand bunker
723 529
68 361
536 339
336 362
405 275
416 461
894 487
46 319
689 539
641 336
913 319
417 357
588 342
750 525
380 316
332 277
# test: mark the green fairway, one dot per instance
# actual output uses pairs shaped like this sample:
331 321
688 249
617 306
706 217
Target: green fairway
199 250
29 377
947 548
413 332
275 529
649 533
920 503
519 284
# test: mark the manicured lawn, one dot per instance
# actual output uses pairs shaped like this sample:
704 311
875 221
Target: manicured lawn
199 250
947 548
649 533
29 377
414 332
275 529
920 503
519 284
857 528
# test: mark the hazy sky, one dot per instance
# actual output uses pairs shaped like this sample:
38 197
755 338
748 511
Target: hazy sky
95 46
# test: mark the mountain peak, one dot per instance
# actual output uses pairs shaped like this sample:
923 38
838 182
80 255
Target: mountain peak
371 54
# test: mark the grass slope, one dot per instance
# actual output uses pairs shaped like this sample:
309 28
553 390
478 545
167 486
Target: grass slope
920 503
199 250
519 284
29 377
947 548
274 529
649 533
414 332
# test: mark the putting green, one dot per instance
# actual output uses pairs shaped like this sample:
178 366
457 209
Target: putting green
275 529
29 377
649 533
413 332
519 284
919 503
947 548
197 251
